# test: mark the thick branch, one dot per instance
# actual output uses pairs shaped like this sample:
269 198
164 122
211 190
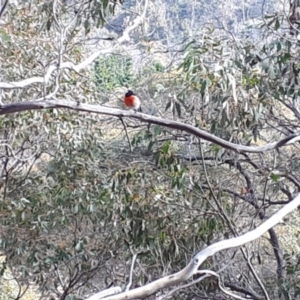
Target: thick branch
54 103
192 268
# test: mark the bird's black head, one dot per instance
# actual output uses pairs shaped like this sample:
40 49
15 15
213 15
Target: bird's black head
129 93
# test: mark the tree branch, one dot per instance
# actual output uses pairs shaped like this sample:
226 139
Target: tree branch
55 103
228 221
192 268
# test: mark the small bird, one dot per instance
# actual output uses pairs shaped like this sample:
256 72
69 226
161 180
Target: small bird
132 101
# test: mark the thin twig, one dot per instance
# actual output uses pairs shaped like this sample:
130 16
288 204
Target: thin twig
131 272
212 273
125 128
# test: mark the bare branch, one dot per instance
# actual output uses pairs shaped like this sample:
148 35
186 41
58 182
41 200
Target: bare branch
182 287
219 284
192 268
131 272
127 136
85 107
252 294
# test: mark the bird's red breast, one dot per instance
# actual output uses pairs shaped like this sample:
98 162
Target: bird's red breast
132 101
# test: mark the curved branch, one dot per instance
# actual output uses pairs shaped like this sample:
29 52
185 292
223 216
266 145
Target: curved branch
192 268
54 103
177 288
127 136
273 237
245 291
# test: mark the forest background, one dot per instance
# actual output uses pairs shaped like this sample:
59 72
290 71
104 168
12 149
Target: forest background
95 198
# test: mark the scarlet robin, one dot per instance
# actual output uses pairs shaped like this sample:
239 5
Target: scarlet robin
132 101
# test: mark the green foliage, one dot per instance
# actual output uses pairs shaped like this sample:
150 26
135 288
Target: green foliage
233 93
222 97
114 71
158 67
90 14
91 203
